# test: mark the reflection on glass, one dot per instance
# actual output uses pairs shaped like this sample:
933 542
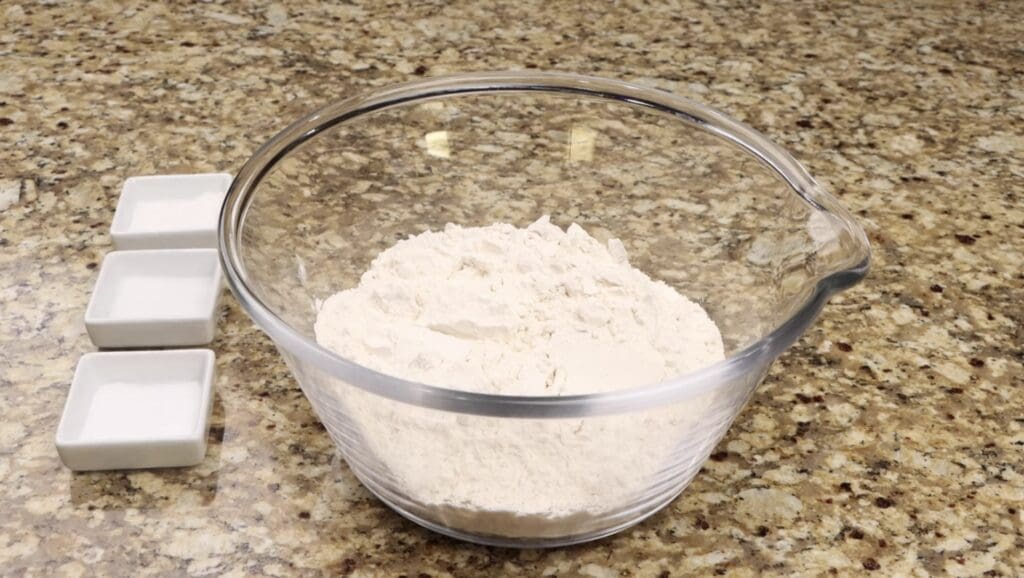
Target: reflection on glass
581 143
437 144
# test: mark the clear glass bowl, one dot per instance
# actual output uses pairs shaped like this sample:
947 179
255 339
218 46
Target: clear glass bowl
701 202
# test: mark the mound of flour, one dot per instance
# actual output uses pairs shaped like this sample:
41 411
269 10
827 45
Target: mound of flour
534 311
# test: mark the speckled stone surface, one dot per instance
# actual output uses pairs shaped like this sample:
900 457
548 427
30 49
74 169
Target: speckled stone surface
890 439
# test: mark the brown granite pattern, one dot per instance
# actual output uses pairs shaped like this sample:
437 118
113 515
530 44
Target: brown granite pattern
890 439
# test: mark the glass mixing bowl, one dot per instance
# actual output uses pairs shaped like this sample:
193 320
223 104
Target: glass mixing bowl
700 201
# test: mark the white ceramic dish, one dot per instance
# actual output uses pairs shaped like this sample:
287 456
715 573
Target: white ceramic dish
155 299
169 211
137 409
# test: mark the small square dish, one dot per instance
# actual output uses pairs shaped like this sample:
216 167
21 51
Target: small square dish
169 211
155 299
137 409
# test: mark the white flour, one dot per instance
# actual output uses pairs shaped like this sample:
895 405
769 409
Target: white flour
534 311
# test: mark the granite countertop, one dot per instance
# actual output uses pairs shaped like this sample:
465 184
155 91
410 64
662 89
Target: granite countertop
889 439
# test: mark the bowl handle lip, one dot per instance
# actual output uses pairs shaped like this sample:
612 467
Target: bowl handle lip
738 368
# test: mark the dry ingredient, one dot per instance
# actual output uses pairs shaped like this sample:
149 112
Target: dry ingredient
532 311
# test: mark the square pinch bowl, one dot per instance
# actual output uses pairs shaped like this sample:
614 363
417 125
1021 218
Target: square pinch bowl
137 409
155 298
169 211
700 201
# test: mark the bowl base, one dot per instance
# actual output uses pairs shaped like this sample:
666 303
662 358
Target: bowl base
508 542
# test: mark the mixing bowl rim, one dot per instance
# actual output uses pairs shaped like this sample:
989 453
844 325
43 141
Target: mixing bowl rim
739 365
